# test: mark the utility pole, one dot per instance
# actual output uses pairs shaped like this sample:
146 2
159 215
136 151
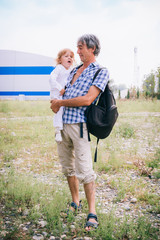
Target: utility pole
136 69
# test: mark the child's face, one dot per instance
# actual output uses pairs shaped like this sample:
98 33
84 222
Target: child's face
67 59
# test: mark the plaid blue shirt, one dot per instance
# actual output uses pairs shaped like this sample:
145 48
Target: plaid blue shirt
80 88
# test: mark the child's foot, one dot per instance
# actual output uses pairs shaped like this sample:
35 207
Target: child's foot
58 137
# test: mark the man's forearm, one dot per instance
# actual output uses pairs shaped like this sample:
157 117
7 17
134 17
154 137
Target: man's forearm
75 102
85 100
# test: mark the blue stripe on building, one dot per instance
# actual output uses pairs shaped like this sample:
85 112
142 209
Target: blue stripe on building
26 93
27 70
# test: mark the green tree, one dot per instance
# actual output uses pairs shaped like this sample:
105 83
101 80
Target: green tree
158 75
133 92
119 94
149 85
138 93
128 94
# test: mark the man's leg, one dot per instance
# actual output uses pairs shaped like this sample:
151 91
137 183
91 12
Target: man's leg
67 160
90 195
74 189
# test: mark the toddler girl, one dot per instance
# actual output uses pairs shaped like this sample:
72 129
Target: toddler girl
58 80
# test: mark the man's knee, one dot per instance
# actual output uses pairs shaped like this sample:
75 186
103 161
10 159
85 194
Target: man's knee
87 179
68 172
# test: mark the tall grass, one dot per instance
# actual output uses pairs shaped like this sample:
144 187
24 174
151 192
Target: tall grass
127 106
113 228
46 202
42 108
25 192
25 108
30 140
27 147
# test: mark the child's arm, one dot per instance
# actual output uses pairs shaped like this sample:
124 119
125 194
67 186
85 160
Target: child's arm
54 82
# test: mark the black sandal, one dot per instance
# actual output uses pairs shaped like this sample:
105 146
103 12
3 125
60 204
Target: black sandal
91 224
74 205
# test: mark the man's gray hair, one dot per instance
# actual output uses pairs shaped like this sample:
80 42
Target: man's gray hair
91 41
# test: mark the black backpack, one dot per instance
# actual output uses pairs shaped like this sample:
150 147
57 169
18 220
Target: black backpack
102 115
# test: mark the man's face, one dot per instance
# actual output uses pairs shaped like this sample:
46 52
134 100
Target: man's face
85 53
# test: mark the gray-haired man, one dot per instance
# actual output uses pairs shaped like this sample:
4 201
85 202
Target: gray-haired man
74 151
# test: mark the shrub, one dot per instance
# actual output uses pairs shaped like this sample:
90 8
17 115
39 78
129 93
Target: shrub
126 131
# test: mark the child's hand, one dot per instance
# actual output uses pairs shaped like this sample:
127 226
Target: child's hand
62 92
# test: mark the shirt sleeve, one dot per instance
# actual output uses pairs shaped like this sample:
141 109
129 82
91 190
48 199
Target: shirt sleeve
102 79
53 80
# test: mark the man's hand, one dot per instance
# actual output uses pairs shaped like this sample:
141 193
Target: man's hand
55 105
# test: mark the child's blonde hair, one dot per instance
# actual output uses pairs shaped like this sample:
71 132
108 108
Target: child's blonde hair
61 53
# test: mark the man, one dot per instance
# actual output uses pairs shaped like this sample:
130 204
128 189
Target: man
74 150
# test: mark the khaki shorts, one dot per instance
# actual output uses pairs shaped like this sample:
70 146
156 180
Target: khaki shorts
75 153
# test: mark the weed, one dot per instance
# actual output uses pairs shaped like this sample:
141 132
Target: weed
40 199
113 163
113 228
152 199
143 170
155 163
8 156
155 209
11 234
26 108
138 106
4 107
156 174
126 130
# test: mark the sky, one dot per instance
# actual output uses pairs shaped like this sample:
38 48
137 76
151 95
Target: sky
46 26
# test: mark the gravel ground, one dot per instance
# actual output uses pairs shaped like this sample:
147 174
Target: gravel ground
105 194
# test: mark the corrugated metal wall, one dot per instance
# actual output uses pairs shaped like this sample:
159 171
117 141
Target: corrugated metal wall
24 74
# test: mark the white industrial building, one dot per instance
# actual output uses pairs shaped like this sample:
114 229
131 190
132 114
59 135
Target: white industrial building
24 75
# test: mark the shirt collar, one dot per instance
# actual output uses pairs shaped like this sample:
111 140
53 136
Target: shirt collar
94 64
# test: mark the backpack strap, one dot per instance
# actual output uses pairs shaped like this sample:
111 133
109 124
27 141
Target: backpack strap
81 129
96 74
95 155
81 124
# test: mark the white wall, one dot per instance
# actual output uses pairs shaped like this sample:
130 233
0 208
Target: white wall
17 84
16 58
